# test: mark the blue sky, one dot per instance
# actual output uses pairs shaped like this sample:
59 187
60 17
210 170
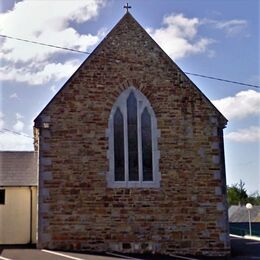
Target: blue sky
219 38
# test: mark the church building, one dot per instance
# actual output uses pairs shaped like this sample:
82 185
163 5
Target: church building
131 156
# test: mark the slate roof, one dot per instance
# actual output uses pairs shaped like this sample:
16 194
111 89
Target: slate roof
18 168
240 214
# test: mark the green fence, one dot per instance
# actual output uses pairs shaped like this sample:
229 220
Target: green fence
242 229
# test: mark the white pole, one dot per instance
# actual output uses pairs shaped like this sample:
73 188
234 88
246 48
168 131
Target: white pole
250 229
249 206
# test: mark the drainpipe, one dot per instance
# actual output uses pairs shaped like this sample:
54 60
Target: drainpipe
30 214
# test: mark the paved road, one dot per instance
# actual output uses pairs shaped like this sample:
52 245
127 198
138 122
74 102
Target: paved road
245 249
241 249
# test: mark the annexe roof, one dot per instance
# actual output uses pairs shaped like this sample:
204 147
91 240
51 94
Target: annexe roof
18 168
240 214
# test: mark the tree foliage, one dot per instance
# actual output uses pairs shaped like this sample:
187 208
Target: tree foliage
237 195
254 199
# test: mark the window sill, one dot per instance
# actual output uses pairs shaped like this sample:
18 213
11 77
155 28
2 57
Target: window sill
133 184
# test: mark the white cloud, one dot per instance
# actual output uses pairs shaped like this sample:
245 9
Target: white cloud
53 88
49 22
231 27
11 142
18 116
243 104
41 74
251 134
31 124
25 52
14 95
1 120
19 125
179 36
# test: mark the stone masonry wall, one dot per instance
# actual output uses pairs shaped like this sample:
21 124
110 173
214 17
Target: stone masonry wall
187 214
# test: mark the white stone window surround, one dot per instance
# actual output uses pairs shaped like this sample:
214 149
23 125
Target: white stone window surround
121 103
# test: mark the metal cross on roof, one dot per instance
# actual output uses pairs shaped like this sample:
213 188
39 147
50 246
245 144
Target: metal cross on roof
127 7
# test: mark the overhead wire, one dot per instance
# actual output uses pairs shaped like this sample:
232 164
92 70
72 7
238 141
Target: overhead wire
220 79
43 44
85 52
4 130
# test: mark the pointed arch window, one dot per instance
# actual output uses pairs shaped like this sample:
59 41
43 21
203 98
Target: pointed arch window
133 151
119 158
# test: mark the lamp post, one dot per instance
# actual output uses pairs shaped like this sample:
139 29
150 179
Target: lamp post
249 206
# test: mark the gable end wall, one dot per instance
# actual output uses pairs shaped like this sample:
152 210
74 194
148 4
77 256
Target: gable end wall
77 210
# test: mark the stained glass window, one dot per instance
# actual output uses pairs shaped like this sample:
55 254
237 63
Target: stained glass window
133 149
119 158
132 137
147 146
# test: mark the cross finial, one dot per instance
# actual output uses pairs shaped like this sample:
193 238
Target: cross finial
127 7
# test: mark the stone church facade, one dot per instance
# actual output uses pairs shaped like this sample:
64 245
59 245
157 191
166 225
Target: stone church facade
131 156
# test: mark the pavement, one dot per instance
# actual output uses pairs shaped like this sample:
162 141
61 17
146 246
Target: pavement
241 249
35 254
24 253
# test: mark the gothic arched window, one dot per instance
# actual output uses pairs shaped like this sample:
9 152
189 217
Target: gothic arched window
133 151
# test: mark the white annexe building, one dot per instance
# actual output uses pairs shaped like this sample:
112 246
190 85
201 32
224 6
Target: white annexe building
18 197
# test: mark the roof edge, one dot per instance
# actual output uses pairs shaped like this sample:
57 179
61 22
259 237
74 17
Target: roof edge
13 185
36 120
80 66
18 151
183 73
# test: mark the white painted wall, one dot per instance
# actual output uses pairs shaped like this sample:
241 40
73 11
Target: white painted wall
15 216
